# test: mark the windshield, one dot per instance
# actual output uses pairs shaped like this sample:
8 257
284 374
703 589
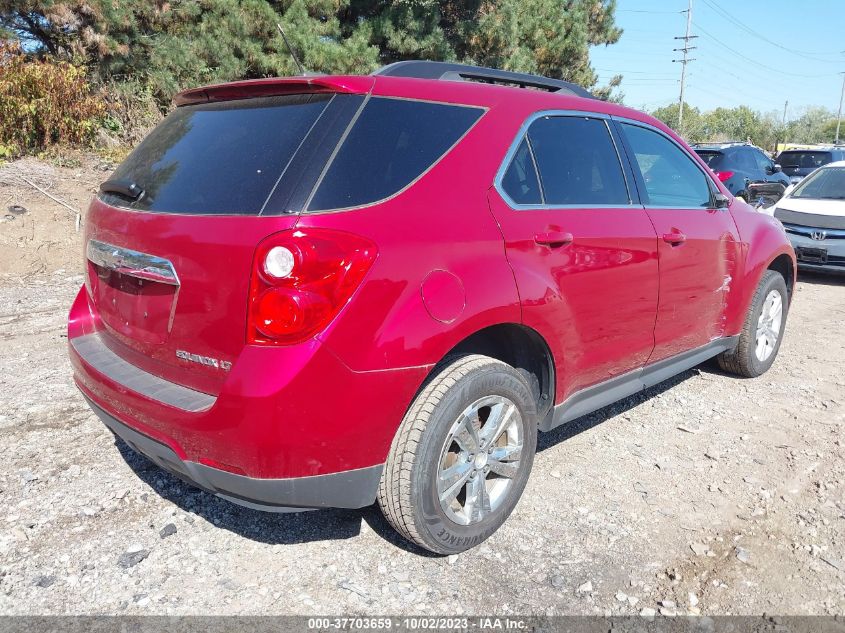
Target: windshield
804 160
825 184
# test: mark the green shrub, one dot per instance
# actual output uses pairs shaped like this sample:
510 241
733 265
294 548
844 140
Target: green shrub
130 111
44 102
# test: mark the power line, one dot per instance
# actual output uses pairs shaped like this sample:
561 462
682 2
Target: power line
806 54
756 63
632 72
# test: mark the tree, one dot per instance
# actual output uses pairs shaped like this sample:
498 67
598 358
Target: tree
546 37
725 124
170 45
815 125
693 130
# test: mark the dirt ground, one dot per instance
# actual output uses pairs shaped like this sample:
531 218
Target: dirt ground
706 494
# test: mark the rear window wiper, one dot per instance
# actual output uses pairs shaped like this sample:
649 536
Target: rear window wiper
125 188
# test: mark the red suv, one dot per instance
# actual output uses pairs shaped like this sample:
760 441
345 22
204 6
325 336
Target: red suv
329 291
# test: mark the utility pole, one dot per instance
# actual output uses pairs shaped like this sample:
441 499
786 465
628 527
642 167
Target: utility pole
839 115
684 61
783 126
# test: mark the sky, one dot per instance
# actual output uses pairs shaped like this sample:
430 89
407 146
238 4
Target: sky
749 52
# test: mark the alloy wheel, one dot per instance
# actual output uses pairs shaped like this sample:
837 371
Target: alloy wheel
769 325
479 460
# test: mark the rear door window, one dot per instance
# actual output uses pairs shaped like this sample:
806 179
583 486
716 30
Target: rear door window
219 158
764 163
391 144
577 161
745 161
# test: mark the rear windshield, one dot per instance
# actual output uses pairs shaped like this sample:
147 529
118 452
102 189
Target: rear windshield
711 158
254 156
825 184
805 160
221 158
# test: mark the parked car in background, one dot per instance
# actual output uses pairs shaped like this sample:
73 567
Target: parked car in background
800 163
329 291
813 214
737 165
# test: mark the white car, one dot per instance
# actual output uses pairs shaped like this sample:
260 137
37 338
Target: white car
813 214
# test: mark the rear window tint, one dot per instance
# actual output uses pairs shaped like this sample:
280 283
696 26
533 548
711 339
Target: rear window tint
711 158
805 160
391 144
222 158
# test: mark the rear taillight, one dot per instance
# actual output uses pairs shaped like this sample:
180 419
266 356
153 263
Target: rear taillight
724 175
300 281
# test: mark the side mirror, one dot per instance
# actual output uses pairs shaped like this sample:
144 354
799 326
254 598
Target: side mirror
721 201
778 168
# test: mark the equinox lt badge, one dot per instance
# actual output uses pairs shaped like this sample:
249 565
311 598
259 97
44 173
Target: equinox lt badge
225 365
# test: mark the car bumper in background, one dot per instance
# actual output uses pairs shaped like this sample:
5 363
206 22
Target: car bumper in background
822 255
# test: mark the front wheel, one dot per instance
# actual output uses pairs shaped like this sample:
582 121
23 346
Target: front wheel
462 455
762 331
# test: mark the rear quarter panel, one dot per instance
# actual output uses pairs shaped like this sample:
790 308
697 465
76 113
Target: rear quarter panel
441 273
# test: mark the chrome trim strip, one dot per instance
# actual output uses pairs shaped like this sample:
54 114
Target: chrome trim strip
95 353
522 133
132 263
807 231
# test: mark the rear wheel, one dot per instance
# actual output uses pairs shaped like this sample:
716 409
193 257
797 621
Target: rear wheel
762 332
462 455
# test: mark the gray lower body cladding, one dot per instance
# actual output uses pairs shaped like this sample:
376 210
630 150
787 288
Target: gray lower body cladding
347 489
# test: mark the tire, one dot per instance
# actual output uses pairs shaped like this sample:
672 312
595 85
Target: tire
434 439
746 360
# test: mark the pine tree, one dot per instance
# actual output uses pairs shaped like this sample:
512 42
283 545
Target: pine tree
168 45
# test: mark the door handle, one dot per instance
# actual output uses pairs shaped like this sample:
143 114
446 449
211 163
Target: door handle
675 238
553 239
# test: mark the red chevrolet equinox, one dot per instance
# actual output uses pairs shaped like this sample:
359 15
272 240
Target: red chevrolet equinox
332 291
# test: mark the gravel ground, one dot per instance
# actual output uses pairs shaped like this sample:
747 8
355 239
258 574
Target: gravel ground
707 494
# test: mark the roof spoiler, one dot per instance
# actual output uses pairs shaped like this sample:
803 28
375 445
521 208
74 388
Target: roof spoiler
273 87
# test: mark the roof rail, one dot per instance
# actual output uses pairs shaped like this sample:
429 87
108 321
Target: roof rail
723 144
462 72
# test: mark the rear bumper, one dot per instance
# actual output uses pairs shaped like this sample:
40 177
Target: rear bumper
283 420
349 489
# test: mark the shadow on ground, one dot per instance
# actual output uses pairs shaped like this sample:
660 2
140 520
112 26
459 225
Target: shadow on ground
821 279
337 524
273 528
